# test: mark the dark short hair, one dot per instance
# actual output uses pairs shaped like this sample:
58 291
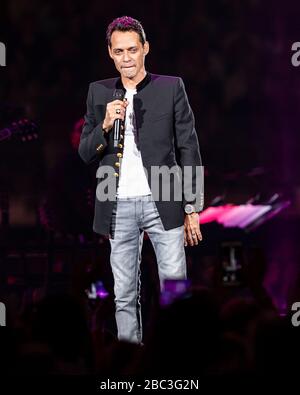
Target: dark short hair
125 24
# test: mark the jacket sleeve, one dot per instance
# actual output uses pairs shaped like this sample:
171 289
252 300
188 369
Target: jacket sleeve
188 146
92 140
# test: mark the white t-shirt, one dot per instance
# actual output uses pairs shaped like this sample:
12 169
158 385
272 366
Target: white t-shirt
133 180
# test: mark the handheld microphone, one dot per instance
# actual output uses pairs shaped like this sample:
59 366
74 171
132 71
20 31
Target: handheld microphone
118 95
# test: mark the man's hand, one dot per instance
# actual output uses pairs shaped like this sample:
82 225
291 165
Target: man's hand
114 110
192 231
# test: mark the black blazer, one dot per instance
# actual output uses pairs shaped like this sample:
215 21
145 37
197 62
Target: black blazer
166 136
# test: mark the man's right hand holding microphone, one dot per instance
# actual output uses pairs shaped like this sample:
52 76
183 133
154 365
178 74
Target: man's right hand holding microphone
114 110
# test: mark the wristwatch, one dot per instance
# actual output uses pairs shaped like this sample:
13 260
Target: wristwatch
189 209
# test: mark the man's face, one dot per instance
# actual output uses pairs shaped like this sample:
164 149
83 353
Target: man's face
128 53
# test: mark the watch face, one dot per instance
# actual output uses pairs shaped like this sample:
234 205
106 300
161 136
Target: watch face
189 209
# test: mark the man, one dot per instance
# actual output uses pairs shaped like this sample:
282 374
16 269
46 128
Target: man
157 125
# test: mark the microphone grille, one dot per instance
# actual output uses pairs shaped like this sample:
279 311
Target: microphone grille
118 94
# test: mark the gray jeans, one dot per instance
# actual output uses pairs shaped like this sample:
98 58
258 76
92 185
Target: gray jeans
130 218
